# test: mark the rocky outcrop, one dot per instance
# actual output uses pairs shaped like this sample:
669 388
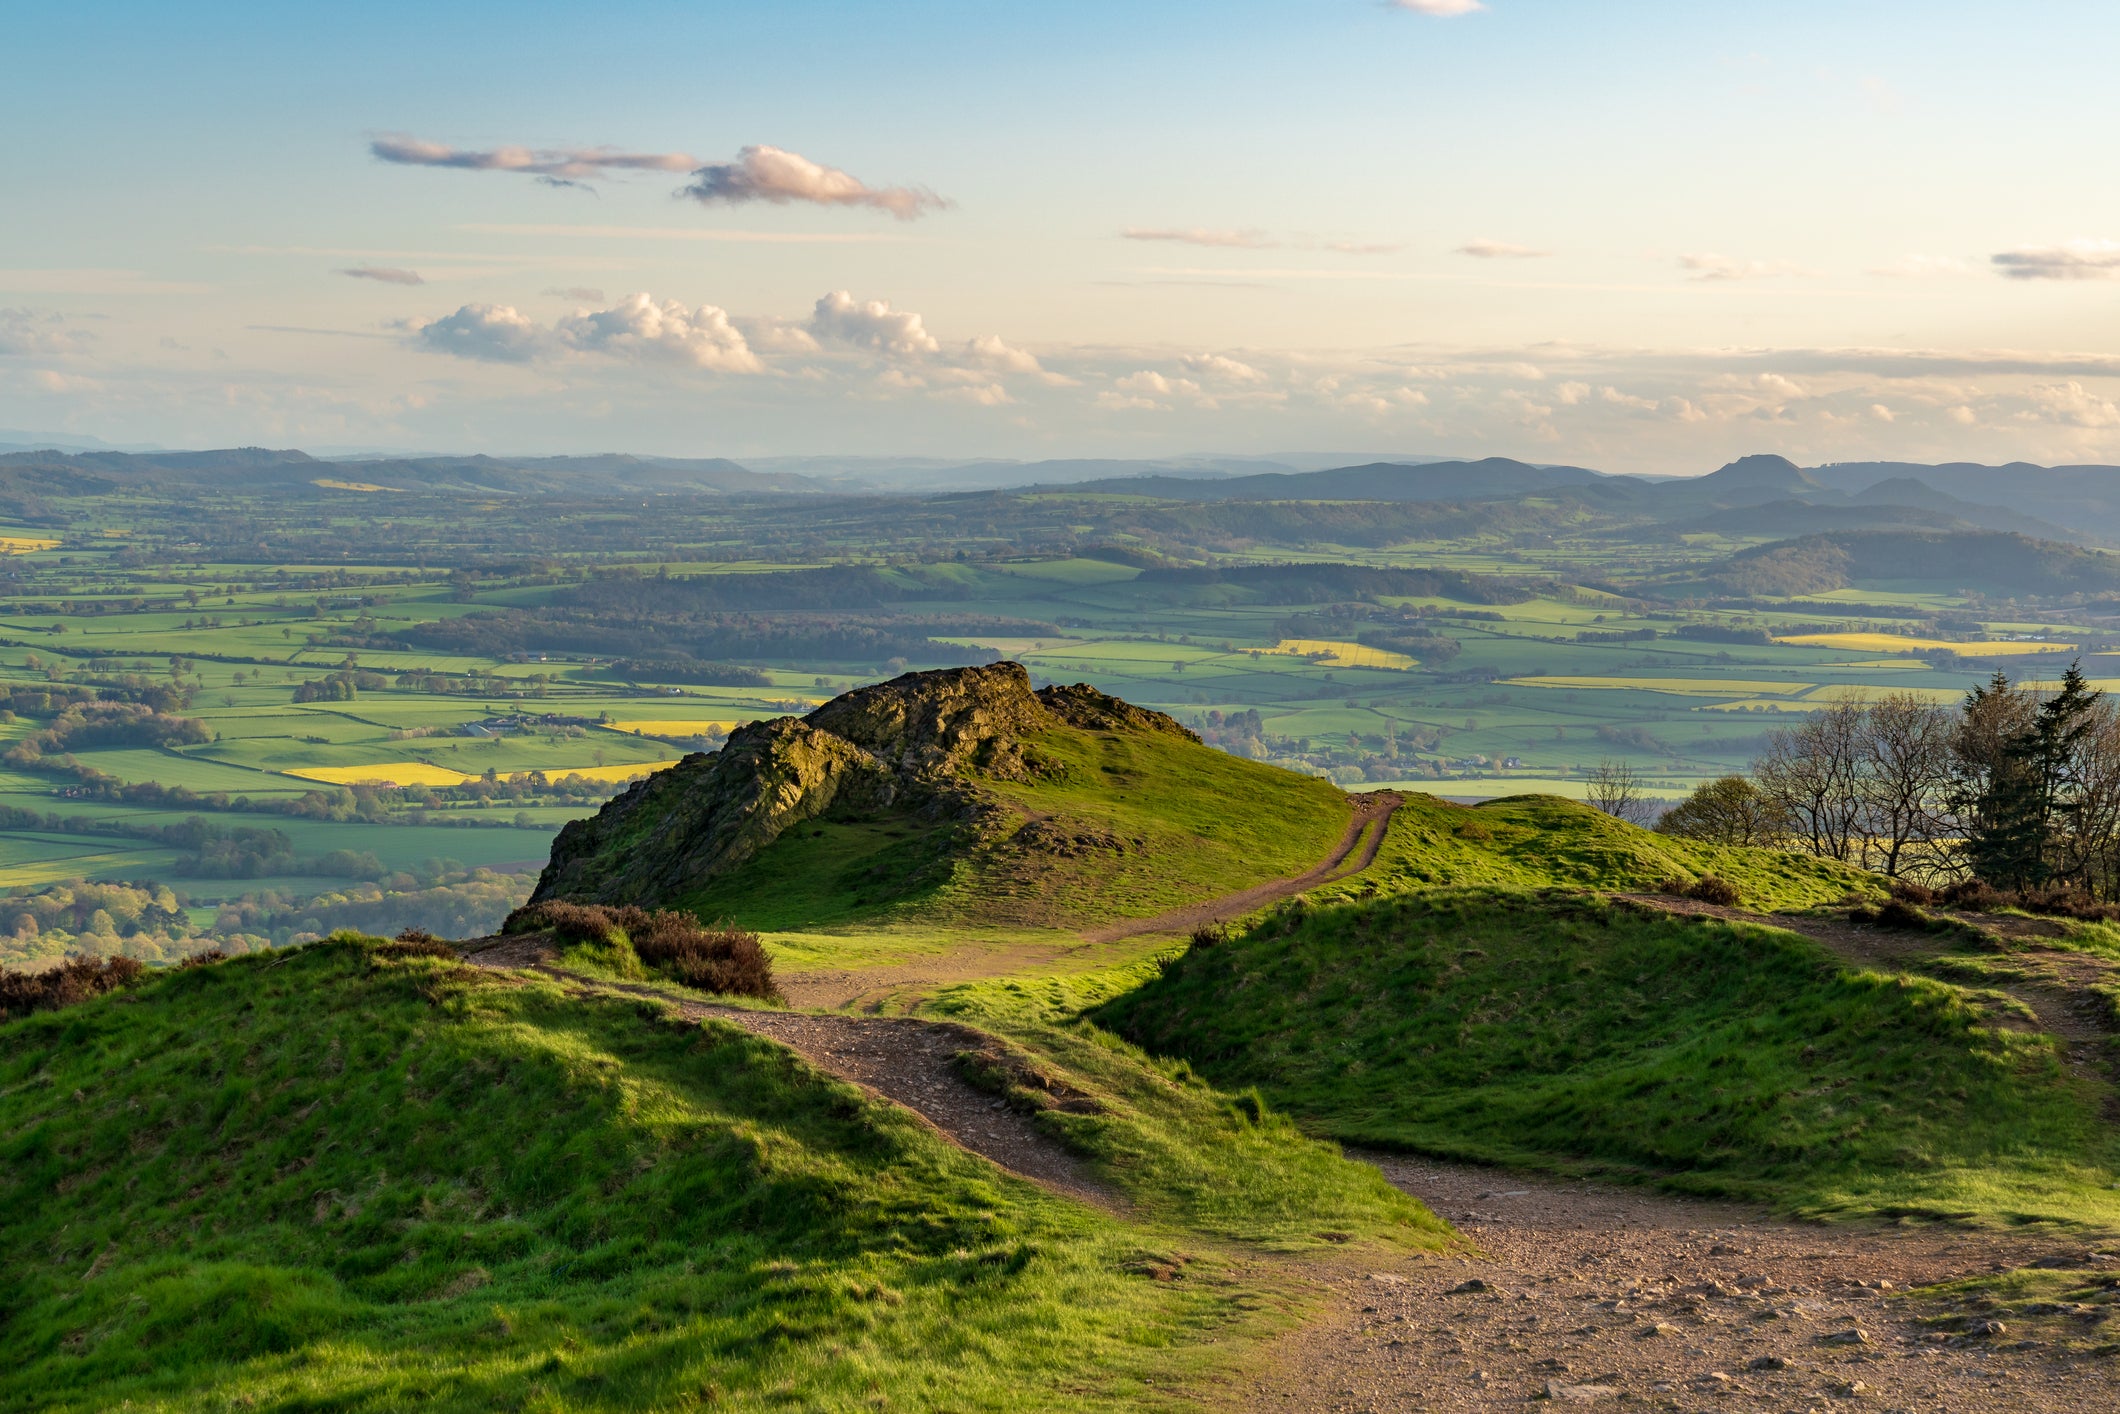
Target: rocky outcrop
918 746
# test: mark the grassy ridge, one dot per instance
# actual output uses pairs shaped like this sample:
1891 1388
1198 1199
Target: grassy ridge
1565 1031
1542 841
354 1179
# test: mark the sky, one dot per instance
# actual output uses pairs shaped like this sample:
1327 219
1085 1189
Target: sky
1627 234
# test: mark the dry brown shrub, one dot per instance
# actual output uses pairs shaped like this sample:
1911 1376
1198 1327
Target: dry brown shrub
723 958
1713 888
70 983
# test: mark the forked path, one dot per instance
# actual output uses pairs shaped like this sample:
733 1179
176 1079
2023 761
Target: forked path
912 1062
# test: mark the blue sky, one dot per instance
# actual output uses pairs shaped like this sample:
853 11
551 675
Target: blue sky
1634 235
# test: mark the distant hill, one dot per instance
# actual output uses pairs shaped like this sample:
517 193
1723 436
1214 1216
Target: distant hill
1379 481
296 472
1992 562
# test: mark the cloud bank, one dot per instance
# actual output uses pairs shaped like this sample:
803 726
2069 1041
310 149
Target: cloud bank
566 163
758 173
1441 9
2074 260
1194 235
1500 250
775 175
387 274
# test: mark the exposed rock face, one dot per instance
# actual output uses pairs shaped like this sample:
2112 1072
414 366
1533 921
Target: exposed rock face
914 745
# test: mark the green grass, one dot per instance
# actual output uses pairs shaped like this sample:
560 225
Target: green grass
1172 822
350 1179
1179 1148
1543 841
1564 1032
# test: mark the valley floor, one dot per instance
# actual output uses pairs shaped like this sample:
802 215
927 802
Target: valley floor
1590 1293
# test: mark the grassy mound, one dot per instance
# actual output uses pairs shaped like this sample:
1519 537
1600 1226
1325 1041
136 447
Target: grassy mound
1564 1031
1543 841
362 1177
942 797
1116 824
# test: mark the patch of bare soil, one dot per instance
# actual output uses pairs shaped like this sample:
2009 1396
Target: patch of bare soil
907 1062
1372 818
1584 1293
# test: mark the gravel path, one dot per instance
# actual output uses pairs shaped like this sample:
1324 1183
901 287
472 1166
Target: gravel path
1587 1294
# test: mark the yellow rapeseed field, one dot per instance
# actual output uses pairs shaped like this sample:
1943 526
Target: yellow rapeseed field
676 727
420 773
1893 643
1352 655
23 544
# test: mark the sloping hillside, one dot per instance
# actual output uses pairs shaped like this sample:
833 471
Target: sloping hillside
958 794
1562 1030
1990 561
363 1177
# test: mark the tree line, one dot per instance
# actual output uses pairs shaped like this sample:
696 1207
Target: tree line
2015 787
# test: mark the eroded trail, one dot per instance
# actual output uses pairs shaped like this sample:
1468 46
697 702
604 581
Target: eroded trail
1372 819
1586 1293
908 1062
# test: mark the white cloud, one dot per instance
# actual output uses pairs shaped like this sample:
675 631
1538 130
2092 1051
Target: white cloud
1777 386
1441 9
640 326
2072 260
1194 235
986 395
30 331
494 333
1148 381
1882 413
1364 247
2073 404
587 294
1227 370
1708 266
871 324
387 274
1572 394
564 164
771 335
775 175
1500 250
988 351
1963 415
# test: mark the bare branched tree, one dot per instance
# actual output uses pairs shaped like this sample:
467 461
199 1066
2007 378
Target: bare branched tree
1616 790
1810 772
1903 781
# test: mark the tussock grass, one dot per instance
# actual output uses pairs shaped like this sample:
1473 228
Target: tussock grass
358 1177
1566 1032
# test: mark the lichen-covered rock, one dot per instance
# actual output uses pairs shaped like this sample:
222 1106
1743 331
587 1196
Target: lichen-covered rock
917 745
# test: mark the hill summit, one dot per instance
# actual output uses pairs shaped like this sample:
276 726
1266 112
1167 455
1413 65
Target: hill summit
961 789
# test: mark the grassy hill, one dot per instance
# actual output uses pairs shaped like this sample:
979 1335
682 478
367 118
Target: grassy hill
1559 1030
1543 841
358 1177
958 795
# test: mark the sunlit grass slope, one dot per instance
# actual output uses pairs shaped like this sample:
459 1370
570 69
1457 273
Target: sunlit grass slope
354 1179
1540 841
1137 822
1564 1031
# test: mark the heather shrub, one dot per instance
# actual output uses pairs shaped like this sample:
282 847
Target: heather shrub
70 983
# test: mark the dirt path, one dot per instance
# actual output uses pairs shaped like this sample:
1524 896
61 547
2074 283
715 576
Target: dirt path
899 1059
1584 1293
1372 809
898 984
